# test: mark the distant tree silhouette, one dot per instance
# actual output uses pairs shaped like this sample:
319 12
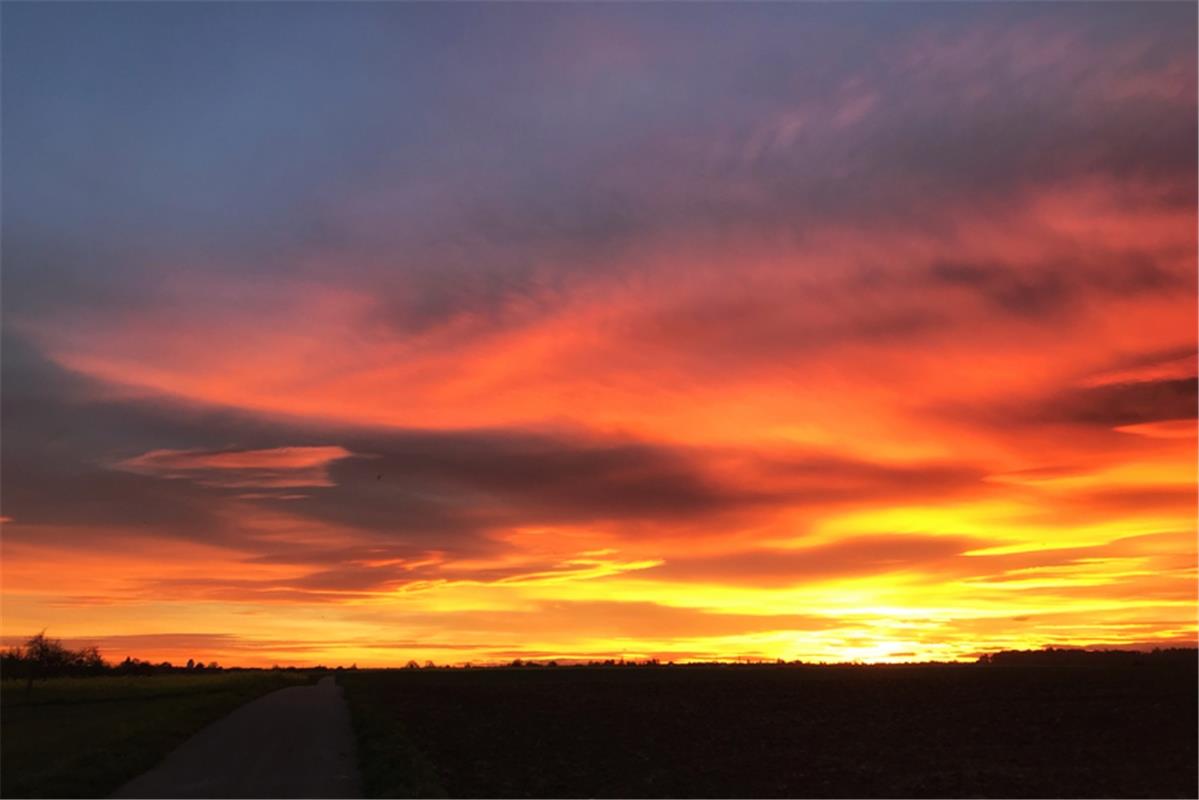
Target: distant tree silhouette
48 656
42 657
135 666
89 661
1062 656
12 663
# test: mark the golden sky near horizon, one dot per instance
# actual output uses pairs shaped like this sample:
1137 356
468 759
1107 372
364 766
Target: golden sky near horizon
473 333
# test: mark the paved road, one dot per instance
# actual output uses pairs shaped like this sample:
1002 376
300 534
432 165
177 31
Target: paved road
295 742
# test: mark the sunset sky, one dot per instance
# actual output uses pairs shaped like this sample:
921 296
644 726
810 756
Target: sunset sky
376 332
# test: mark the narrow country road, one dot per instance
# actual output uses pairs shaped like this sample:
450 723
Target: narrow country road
295 742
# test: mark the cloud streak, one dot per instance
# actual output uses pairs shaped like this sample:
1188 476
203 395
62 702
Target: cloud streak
273 468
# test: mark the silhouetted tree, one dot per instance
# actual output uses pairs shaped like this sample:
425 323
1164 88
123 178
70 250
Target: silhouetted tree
88 661
12 663
47 657
43 657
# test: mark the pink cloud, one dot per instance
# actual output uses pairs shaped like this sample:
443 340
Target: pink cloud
273 468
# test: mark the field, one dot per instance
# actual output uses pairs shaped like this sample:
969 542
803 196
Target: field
84 737
786 731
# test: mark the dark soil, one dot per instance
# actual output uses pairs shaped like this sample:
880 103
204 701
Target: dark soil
781 731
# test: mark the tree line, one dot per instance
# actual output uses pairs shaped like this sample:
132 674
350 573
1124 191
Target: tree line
1062 656
42 657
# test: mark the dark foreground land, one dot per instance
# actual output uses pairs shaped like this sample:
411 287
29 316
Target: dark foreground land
1124 730
84 737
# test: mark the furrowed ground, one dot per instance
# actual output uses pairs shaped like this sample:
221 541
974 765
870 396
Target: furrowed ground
84 737
785 731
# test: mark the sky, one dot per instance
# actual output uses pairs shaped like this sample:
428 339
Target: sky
362 333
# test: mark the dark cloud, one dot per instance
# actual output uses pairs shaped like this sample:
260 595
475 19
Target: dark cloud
493 479
553 477
1133 389
1152 359
1119 404
1050 289
63 433
740 327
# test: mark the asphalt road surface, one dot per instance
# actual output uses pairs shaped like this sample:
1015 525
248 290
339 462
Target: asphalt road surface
295 742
